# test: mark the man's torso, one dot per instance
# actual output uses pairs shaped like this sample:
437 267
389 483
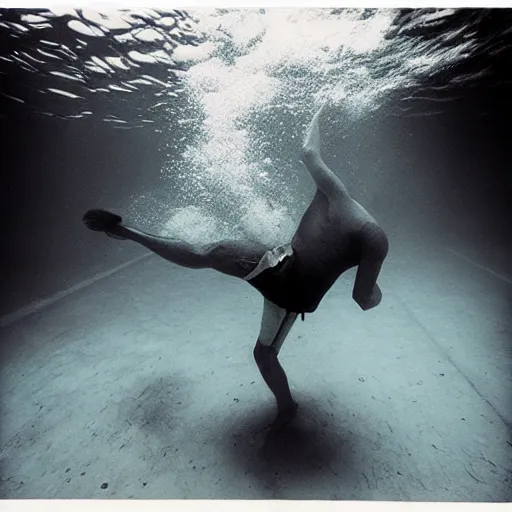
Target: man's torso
326 244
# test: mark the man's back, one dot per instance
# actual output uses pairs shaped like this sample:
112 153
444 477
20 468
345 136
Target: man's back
325 235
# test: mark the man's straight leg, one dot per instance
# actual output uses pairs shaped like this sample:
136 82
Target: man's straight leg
236 258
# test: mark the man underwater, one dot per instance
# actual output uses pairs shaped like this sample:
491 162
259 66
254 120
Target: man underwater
335 234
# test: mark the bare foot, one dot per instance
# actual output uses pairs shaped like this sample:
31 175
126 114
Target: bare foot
284 417
103 221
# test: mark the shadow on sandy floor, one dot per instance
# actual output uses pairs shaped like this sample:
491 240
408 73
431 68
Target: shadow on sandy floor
314 447
156 406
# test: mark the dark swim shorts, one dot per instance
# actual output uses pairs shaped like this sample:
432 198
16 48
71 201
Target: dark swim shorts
280 283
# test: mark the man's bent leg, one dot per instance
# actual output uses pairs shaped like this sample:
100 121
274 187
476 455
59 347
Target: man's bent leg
275 326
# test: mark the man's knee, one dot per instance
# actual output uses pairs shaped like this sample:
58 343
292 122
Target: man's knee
263 354
229 257
215 255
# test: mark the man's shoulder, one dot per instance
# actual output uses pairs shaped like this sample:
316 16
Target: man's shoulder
372 229
374 241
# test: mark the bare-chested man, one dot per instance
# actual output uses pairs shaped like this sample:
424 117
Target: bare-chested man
335 233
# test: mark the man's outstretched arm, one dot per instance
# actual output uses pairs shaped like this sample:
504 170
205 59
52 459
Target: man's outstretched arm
375 248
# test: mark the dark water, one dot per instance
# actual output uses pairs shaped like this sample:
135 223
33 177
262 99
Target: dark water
191 123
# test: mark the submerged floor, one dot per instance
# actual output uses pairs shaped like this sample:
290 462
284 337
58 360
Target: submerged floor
143 385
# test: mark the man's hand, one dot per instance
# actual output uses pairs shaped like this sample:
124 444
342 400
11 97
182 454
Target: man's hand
372 301
374 245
